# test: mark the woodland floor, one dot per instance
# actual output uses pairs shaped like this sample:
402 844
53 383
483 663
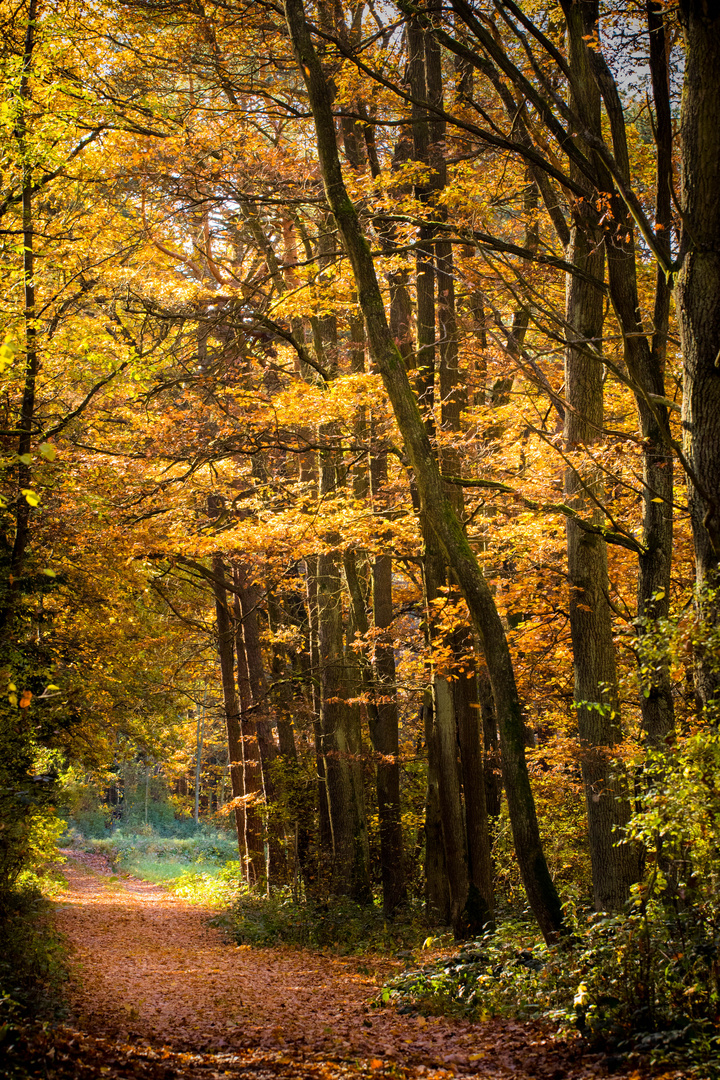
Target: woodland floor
157 992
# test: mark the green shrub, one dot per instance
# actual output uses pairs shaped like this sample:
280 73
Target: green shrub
31 959
125 846
506 973
341 924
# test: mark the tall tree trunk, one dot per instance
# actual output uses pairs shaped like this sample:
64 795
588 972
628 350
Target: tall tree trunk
425 271
16 565
478 906
614 868
324 827
251 764
426 86
339 722
437 889
285 702
226 656
645 361
378 681
697 291
438 513
340 742
443 760
386 741
249 595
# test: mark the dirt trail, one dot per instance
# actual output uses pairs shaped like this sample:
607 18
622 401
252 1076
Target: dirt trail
148 969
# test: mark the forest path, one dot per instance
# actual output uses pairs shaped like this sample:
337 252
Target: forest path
152 978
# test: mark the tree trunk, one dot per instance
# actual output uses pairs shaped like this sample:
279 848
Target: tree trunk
252 765
276 861
378 681
480 901
697 292
340 749
11 584
597 703
225 631
439 514
323 797
437 890
386 744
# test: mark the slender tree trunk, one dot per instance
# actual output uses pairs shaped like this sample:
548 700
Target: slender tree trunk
645 361
324 831
492 768
379 684
439 514
251 765
225 631
425 270
428 134
276 862
437 889
340 743
443 760
479 908
249 602
386 743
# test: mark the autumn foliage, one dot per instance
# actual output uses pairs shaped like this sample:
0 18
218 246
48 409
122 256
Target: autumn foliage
353 403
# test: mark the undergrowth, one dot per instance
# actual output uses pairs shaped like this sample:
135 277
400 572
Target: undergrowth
341 925
202 868
144 846
618 980
32 968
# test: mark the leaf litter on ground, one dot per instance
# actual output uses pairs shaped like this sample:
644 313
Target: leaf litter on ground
158 992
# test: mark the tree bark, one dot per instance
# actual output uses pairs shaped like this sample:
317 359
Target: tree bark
16 560
439 514
437 889
697 291
597 703
225 632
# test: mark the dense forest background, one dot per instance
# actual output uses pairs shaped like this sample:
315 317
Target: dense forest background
360 407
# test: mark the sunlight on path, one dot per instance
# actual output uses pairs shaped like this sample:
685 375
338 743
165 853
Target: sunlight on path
149 968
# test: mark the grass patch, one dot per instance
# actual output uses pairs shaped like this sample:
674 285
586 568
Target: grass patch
202 868
165 870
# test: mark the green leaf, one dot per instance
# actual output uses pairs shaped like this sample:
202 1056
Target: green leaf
26 459
48 451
